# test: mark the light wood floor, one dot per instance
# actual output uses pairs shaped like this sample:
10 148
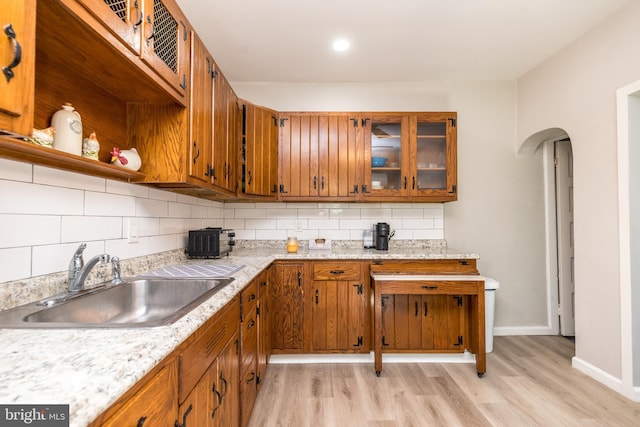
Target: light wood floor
529 382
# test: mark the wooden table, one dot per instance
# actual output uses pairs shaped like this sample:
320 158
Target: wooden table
401 284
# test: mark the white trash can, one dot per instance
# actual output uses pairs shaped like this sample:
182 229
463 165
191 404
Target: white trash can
490 286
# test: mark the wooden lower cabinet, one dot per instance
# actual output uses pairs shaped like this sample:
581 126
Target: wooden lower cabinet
339 307
210 371
249 350
424 322
287 301
136 410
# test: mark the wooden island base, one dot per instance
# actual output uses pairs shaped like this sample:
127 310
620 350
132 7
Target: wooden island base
426 284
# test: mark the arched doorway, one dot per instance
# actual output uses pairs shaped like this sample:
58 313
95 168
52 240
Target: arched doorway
558 184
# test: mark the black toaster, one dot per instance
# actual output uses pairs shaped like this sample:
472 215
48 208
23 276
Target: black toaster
210 242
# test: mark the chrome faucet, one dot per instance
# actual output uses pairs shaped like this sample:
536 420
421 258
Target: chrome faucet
78 270
115 271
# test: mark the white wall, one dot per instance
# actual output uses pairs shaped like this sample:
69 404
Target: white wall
499 213
576 91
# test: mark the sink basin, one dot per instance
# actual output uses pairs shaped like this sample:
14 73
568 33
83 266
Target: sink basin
136 303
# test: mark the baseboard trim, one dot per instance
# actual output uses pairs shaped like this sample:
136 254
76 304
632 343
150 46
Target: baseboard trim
598 374
465 357
522 330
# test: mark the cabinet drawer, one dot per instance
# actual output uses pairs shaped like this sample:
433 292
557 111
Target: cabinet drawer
440 266
249 298
336 271
435 287
207 343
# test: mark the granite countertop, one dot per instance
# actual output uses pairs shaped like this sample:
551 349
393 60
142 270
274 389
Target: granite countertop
90 368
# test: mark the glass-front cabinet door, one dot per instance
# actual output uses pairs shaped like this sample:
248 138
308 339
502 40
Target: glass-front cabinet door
410 155
433 168
386 148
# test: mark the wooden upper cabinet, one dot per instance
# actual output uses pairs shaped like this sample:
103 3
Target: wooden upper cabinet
165 43
410 155
259 151
124 18
200 112
368 157
17 56
225 135
320 156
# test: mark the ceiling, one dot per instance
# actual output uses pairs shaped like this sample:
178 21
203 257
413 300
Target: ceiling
399 40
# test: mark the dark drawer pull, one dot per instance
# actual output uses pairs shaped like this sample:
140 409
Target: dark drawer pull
431 288
336 272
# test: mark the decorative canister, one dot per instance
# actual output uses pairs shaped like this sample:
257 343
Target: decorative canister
292 245
68 126
91 147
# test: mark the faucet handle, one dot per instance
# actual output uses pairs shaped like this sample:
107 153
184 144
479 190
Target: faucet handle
115 270
77 262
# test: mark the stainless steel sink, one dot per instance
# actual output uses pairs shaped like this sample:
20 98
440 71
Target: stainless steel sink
136 303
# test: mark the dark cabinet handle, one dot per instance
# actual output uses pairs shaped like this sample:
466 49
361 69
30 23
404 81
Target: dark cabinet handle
226 385
140 16
315 182
213 412
184 417
336 272
141 421
250 177
322 183
251 324
275 188
252 377
317 297
364 189
413 182
426 309
153 30
416 308
355 190
282 189
197 150
299 279
405 182
17 53
431 288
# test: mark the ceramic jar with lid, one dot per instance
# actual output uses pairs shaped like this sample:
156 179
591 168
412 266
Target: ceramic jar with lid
68 130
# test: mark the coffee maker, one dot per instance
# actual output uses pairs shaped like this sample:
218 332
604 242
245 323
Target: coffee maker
383 234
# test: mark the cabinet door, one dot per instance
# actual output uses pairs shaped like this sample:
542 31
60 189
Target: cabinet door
162 390
259 155
320 154
17 58
339 316
226 383
387 159
123 18
197 408
201 110
424 322
165 42
433 156
287 293
264 331
220 130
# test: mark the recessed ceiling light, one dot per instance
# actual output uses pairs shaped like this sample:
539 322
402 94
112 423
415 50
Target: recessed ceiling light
341 45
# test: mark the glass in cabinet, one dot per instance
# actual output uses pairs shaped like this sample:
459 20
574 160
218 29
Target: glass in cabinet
386 148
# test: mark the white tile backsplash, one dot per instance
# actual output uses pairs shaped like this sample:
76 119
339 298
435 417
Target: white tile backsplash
46 213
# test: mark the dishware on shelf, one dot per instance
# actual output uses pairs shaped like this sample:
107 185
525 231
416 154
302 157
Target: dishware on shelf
378 162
